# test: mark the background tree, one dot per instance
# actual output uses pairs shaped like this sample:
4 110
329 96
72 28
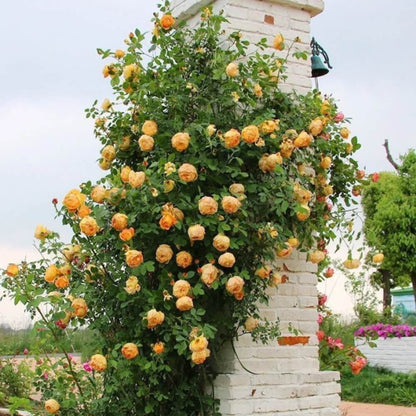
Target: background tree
390 224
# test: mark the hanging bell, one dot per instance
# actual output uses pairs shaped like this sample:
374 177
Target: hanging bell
318 68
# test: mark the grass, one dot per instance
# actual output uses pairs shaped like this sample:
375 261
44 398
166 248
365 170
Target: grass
378 385
84 341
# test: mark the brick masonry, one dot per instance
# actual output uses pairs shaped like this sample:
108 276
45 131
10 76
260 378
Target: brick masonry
283 380
396 354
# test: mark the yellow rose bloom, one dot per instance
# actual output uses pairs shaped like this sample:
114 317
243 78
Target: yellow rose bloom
221 242
230 204
89 226
154 318
12 270
181 288
80 307
98 362
187 173
132 285
129 351
231 138
119 221
98 194
278 42
250 134
149 128
52 406
73 200
207 205
183 259
180 141
196 232
184 303
232 70
134 258
41 232
146 143
226 260
164 253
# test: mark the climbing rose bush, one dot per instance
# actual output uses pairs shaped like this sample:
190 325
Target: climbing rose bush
211 171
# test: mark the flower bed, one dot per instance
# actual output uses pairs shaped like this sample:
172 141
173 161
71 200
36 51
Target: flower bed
385 331
391 346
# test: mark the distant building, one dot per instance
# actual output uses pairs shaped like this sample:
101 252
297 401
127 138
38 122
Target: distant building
403 301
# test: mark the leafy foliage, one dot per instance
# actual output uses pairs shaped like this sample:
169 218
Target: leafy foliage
205 155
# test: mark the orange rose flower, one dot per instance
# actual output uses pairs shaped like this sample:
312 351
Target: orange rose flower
263 272
108 153
231 138
184 303
52 406
12 270
124 174
146 143
84 211
303 215
134 258
167 21
344 132
236 189
130 351
119 221
230 204
183 259
73 200
98 362
167 221
226 260
159 348
80 307
316 126
98 194
317 256
199 357
207 205
127 234
286 148
132 285
180 141
250 134
154 318
149 127
136 179
62 281
89 226
164 253
50 273
303 140
196 232
325 162
187 173
209 274
278 42
234 285
221 242
181 288
198 344
41 232
251 324
232 69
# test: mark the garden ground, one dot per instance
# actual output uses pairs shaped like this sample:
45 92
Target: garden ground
364 409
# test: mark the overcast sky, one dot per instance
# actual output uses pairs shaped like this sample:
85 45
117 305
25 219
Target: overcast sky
50 73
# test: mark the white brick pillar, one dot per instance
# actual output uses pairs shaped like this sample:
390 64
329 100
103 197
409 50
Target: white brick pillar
257 19
286 379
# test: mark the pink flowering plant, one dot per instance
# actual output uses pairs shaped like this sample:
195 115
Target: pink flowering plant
211 171
334 354
380 330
